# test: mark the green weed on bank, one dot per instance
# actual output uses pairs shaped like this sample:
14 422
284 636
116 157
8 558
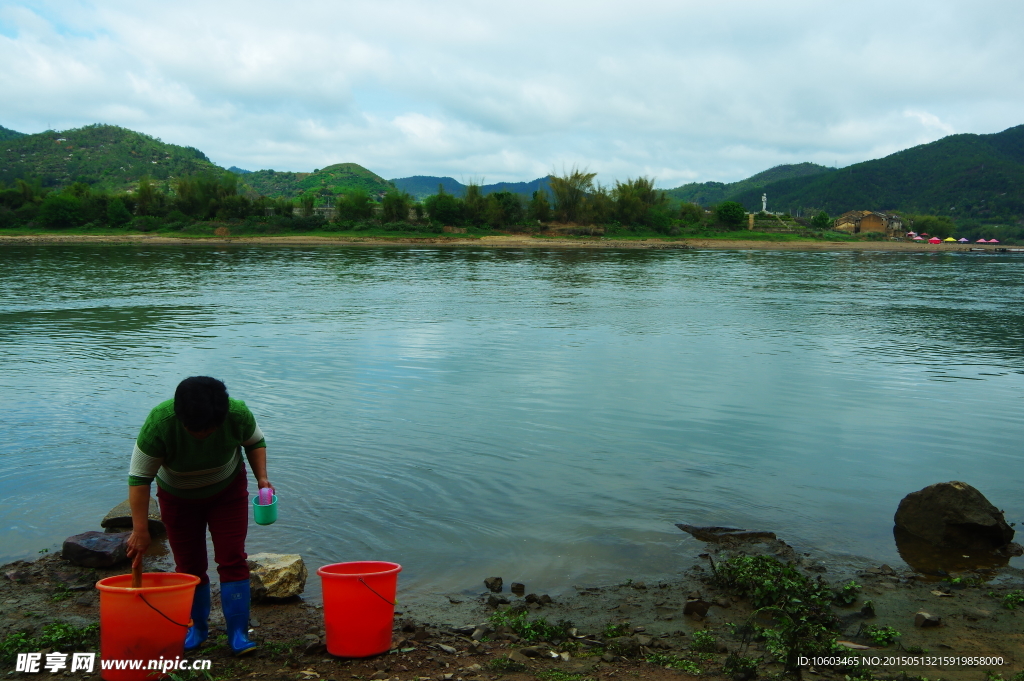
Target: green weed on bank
56 636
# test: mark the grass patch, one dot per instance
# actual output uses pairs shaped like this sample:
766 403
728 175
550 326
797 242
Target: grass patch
703 641
847 593
515 619
669 661
504 665
882 636
613 630
559 675
58 636
799 608
1013 599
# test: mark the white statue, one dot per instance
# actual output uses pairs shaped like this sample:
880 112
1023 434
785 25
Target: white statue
764 203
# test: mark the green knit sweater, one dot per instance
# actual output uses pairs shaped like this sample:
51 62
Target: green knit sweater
187 467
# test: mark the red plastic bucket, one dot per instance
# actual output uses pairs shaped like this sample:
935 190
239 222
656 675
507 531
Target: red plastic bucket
359 606
145 623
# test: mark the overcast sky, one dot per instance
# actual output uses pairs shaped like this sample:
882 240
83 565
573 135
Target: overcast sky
682 91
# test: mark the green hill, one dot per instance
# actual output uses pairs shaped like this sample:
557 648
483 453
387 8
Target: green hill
710 193
8 134
422 186
336 179
106 156
968 177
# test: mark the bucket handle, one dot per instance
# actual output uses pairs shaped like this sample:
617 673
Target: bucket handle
163 615
371 589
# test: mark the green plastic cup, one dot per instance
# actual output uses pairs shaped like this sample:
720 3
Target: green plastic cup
264 515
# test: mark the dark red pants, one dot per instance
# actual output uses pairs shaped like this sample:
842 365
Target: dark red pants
226 513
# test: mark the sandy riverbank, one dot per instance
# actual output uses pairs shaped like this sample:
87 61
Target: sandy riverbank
503 241
433 632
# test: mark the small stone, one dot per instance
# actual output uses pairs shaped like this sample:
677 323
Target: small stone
643 640
531 651
517 656
608 657
975 614
924 620
518 588
448 649
276 575
696 607
626 646
96 549
640 585
886 570
495 601
380 676
494 584
545 600
531 598
482 629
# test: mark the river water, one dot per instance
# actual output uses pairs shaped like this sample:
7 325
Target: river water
540 414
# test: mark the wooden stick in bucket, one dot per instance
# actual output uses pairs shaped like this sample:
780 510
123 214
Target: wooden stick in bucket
137 575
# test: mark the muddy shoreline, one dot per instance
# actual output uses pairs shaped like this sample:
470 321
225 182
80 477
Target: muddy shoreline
433 634
503 241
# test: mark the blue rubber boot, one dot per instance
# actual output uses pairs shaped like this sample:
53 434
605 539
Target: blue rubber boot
200 628
234 601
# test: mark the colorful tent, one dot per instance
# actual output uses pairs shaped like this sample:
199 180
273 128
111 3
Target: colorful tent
981 241
949 238
935 240
993 241
918 238
963 241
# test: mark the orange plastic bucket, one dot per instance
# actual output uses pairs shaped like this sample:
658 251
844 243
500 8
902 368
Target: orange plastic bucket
145 623
359 606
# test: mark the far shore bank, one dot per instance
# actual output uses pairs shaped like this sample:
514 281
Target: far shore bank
500 241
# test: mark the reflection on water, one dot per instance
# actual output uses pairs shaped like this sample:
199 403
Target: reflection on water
541 414
930 560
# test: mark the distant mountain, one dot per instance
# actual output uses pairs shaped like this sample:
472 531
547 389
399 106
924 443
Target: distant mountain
422 186
336 179
710 193
107 156
970 177
8 134
238 171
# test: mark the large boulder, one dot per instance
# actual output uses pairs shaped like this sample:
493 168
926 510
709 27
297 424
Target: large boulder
954 515
121 516
96 549
276 575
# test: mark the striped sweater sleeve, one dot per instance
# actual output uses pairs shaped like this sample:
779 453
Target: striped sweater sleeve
143 467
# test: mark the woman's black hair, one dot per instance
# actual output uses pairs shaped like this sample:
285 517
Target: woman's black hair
201 402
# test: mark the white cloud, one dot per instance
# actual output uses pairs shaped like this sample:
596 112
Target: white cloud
681 90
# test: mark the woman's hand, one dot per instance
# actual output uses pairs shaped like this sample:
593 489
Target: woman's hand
138 543
263 483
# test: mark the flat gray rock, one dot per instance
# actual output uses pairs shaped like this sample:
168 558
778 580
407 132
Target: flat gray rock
121 517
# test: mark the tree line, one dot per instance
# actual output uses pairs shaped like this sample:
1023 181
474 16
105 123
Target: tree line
217 197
